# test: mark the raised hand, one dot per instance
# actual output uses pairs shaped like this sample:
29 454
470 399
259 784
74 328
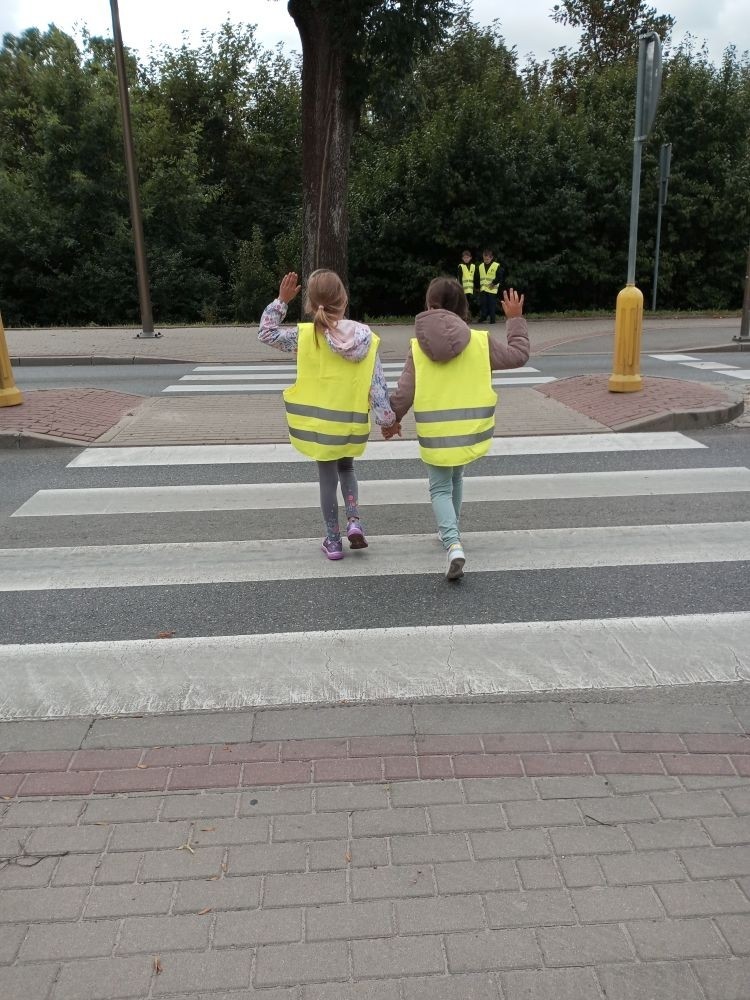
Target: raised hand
512 304
289 287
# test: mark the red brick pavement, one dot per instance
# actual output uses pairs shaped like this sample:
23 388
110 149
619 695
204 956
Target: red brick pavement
86 772
590 395
79 414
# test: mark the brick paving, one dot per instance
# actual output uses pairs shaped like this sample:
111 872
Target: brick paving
660 397
260 418
537 866
78 414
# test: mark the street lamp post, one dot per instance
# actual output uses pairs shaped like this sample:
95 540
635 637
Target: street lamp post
744 337
144 294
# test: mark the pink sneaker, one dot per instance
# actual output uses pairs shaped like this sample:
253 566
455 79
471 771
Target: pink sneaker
333 550
356 535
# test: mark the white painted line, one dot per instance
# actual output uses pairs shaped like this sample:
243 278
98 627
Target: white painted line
743 373
541 380
708 366
177 563
169 675
380 492
262 387
242 454
291 369
216 386
244 377
674 357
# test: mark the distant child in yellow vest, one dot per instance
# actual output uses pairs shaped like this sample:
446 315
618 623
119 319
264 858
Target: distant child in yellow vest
447 378
339 378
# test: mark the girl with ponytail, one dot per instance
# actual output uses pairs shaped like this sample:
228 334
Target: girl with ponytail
339 379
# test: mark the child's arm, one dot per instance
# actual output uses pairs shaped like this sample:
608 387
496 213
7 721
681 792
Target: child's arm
515 353
271 332
381 407
402 399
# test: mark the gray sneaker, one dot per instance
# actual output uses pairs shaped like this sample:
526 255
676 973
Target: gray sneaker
456 560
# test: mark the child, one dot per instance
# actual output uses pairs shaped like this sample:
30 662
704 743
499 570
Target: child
467 273
490 276
339 377
447 379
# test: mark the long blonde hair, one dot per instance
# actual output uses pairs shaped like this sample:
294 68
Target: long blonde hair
325 300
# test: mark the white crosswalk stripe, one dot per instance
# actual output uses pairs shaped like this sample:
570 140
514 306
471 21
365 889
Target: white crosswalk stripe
277 377
295 628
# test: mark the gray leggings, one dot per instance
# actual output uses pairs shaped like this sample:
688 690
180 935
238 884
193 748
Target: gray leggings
330 474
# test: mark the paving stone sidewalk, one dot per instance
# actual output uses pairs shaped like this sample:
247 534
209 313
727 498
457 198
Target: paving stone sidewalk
449 852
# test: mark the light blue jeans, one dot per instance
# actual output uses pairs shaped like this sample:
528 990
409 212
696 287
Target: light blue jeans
446 492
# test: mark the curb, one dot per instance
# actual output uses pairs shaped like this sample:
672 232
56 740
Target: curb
685 420
29 439
42 360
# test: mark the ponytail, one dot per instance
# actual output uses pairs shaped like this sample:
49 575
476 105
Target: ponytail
325 300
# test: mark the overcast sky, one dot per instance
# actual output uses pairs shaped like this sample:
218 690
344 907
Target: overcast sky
526 25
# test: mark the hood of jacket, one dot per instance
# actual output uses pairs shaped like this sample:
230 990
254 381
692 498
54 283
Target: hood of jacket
441 334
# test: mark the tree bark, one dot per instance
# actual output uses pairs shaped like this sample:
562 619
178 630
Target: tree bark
327 128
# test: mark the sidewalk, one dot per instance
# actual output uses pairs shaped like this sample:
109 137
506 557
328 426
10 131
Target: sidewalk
523 850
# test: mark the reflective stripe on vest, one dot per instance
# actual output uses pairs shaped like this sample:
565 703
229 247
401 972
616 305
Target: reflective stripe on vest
327 409
467 277
488 277
454 404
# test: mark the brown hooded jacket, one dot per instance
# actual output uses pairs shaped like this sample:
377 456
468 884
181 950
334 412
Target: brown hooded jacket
442 335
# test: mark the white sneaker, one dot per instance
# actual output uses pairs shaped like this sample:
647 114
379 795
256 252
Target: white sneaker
456 560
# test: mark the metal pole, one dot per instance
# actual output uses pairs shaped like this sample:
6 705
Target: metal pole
144 295
638 140
744 337
656 255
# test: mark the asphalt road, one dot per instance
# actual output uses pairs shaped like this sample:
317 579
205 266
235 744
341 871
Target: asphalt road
153 379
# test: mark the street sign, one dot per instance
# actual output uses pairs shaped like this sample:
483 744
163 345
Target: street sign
650 64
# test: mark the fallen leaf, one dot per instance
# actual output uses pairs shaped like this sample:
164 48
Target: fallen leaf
142 767
348 857
185 847
213 878
101 822
224 867
206 909
207 829
165 635
158 967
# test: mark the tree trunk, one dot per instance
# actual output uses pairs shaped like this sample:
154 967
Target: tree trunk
327 126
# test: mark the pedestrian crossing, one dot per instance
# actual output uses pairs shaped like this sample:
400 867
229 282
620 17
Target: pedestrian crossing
274 378
719 368
156 580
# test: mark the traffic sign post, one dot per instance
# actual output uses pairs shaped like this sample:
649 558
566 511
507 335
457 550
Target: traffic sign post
665 163
626 375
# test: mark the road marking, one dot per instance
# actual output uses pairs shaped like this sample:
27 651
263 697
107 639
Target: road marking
382 492
195 383
178 563
157 675
674 357
739 373
389 366
708 366
241 454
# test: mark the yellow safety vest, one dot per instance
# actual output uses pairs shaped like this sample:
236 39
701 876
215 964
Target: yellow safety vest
328 407
488 277
454 404
467 277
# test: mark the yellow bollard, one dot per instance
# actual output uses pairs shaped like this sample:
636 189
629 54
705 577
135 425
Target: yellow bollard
10 395
626 376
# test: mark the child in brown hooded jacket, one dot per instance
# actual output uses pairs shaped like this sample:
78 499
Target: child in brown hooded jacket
442 336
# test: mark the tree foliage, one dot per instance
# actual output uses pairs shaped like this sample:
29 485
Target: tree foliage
470 148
